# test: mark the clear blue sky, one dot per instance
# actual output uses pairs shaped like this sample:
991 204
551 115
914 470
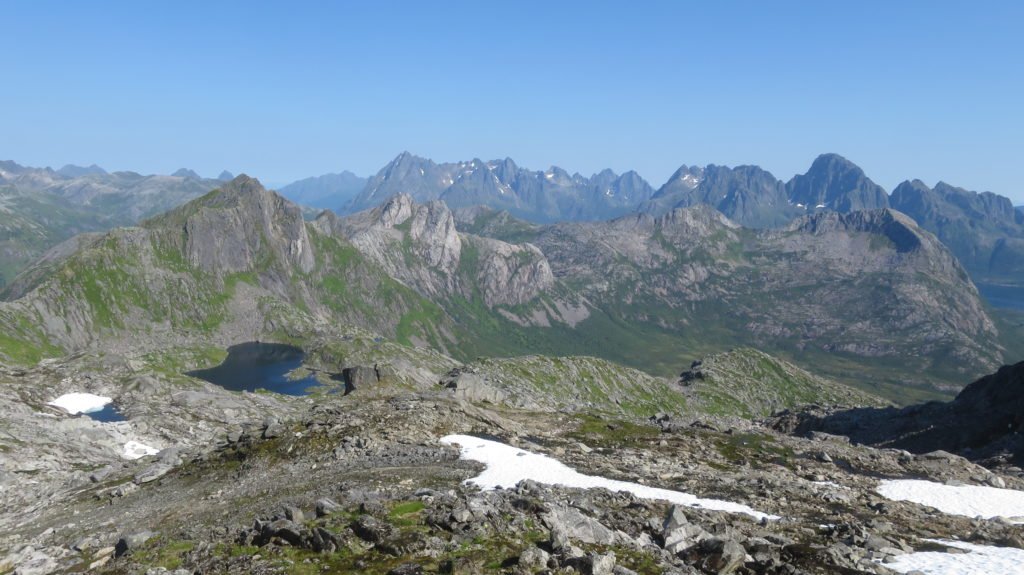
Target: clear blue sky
932 90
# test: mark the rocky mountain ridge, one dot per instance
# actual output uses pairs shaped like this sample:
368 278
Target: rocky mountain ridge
983 229
43 207
546 196
241 264
746 194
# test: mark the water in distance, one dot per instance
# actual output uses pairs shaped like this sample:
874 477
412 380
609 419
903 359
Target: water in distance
251 366
1007 296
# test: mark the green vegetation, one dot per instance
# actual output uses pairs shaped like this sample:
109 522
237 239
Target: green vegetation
750 383
22 342
160 553
600 432
753 448
581 384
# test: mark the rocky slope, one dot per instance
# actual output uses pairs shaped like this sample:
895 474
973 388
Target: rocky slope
249 483
984 422
31 223
855 285
419 245
750 383
235 265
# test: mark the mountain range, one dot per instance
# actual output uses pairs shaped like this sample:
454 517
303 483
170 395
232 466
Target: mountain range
549 196
43 207
240 263
982 229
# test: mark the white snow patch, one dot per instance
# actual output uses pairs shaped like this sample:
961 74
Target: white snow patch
507 466
75 403
135 450
831 484
969 500
819 206
800 205
979 560
549 176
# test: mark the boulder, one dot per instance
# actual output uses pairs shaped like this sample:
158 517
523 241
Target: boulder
722 556
326 507
472 387
359 377
129 542
533 559
578 527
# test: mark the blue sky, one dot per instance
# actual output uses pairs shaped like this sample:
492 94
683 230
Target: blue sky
931 90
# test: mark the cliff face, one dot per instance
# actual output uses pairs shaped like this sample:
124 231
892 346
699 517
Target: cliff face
229 231
420 245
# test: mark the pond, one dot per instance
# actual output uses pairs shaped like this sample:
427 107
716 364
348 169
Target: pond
254 365
109 414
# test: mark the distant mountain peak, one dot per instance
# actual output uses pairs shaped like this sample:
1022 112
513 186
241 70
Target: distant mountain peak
243 182
226 176
186 173
835 183
832 158
73 171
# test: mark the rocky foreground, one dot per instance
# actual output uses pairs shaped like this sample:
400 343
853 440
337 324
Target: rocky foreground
362 483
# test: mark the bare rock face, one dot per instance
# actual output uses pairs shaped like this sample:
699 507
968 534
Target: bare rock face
419 245
510 274
415 244
241 223
434 237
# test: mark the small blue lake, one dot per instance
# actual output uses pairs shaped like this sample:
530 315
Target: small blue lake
254 365
109 414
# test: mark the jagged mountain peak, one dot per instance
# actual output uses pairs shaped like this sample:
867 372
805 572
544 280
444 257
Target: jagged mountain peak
396 210
835 183
539 196
242 185
226 176
186 173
